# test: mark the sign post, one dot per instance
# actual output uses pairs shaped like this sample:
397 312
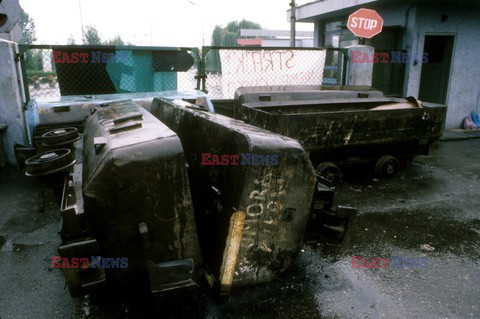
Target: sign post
365 23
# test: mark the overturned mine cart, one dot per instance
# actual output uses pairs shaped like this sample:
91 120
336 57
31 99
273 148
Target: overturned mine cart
344 125
252 212
136 204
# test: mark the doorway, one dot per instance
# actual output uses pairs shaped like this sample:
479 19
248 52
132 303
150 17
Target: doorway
436 72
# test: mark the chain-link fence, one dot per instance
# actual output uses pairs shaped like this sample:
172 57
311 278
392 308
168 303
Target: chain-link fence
228 68
54 71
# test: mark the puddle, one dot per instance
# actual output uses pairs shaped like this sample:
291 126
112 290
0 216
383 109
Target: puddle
412 229
2 242
21 247
26 225
7 245
86 306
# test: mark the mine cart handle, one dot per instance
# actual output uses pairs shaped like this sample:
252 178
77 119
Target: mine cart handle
127 127
134 116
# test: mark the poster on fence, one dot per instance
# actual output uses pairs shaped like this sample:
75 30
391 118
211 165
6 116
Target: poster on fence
269 67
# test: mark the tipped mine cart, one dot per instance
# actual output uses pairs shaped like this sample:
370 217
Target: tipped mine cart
255 194
160 200
341 126
127 207
253 206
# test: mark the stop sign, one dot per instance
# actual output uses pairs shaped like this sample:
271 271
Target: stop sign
365 23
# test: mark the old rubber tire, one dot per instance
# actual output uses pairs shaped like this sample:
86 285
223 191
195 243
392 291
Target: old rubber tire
329 171
386 166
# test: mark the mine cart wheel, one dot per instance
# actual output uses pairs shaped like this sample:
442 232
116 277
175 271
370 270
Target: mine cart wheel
386 166
329 171
49 162
60 136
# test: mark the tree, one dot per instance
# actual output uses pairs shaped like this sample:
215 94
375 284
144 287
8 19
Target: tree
27 25
71 40
228 35
92 36
115 41
33 59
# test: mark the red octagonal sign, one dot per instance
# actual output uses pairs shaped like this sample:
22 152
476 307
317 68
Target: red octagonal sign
365 23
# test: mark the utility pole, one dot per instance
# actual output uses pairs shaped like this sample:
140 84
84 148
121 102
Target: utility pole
81 20
151 36
292 23
203 22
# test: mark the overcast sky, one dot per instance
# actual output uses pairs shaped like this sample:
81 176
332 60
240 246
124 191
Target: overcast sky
152 22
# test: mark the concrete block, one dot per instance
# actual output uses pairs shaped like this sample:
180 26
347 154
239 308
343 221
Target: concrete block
360 73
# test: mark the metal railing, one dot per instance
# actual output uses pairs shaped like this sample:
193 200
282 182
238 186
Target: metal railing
52 71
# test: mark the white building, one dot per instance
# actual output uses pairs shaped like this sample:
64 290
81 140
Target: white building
274 38
449 31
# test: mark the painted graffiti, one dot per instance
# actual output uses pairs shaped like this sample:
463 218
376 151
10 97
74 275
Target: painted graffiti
262 214
269 67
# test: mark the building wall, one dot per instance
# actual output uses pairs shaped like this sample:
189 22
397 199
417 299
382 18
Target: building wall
463 22
464 86
299 43
393 13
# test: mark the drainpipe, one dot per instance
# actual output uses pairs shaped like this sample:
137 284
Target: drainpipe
292 23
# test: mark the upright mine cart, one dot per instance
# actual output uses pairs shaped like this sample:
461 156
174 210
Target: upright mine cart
343 126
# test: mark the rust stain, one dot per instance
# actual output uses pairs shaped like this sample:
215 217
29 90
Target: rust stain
229 263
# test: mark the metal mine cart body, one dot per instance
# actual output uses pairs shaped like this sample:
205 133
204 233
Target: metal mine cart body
136 204
253 207
344 126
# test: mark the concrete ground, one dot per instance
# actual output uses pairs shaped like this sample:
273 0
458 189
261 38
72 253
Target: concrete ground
430 210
